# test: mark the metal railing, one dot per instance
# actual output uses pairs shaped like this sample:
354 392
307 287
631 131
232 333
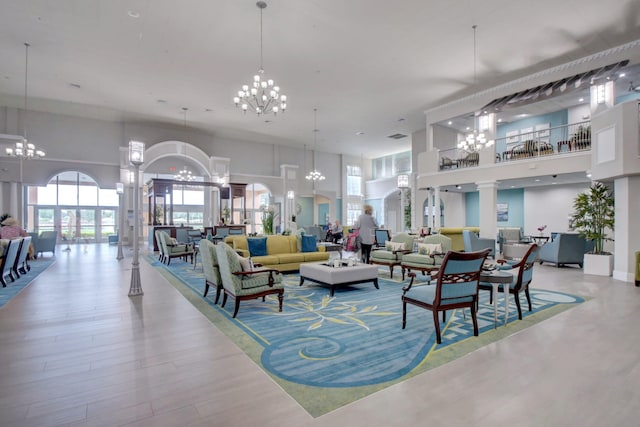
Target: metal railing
544 142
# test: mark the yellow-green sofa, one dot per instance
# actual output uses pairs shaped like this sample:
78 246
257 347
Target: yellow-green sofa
455 234
282 252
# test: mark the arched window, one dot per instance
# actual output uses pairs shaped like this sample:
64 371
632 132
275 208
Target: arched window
73 205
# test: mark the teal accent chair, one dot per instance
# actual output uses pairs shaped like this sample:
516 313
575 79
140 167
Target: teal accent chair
521 281
510 235
244 285
173 250
565 248
392 258
456 287
9 256
426 263
46 242
210 268
473 243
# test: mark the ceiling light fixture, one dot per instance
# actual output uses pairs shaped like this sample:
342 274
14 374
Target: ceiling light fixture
263 96
185 174
476 140
24 149
314 175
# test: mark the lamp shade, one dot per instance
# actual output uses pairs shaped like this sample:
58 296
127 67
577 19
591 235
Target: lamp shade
136 153
403 181
119 187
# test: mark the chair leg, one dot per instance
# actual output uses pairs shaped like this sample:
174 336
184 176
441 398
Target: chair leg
444 316
526 292
218 290
404 313
280 300
224 299
474 317
436 323
236 308
403 274
206 288
391 271
516 296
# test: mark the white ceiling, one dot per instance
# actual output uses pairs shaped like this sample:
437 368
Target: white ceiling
363 64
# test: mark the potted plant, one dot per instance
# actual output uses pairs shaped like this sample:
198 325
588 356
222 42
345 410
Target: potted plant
593 218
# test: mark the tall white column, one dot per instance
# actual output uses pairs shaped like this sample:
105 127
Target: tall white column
627 227
436 203
488 210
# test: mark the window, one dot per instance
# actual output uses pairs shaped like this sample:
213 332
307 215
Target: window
392 165
354 193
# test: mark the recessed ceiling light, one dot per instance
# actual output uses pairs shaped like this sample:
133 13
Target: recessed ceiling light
622 74
581 100
133 14
513 186
449 122
468 128
499 120
523 115
537 180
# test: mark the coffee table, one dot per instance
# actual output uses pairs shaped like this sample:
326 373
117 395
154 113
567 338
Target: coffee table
331 247
497 278
326 274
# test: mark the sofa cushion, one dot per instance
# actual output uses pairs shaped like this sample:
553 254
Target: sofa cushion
290 258
309 244
315 256
266 260
257 246
429 248
278 244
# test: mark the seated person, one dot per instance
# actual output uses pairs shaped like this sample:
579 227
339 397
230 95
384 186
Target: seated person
11 229
334 233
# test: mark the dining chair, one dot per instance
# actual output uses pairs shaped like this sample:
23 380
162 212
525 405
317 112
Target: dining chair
8 260
520 281
456 287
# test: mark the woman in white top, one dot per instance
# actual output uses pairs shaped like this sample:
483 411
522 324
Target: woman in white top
366 226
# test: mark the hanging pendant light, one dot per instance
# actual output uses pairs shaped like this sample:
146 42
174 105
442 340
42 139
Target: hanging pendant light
24 149
476 140
263 95
185 174
315 174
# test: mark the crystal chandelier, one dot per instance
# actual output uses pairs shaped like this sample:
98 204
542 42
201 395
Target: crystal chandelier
476 140
263 96
24 149
314 175
185 174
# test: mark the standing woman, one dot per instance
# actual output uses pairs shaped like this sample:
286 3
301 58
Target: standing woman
366 227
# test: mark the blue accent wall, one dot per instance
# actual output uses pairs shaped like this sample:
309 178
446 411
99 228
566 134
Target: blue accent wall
377 208
323 213
305 217
515 205
339 209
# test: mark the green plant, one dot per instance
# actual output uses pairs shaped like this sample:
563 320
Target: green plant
226 213
407 209
268 216
594 215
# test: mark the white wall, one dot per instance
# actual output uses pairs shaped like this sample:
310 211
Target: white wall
550 206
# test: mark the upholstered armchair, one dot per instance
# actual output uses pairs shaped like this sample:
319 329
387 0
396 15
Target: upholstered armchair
172 249
456 287
565 248
46 242
429 256
510 235
391 255
210 267
521 280
473 243
244 285
21 266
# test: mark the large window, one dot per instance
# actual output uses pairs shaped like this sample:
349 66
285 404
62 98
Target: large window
73 205
258 198
354 193
188 205
392 165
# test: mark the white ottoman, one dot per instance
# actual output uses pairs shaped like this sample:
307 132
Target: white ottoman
325 274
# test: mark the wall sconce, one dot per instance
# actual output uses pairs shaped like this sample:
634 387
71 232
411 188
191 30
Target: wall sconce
119 188
403 181
136 153
601 94
291 194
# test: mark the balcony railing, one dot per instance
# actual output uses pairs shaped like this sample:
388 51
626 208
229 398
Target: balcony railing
545 142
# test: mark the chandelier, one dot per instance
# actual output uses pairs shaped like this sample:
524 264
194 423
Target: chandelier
23 149
263 96
476 140
314 175
185 174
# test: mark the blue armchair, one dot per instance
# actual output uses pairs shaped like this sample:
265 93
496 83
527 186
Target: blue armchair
473 243
565 248
46 242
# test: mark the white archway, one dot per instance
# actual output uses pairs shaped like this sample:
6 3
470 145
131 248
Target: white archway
178 148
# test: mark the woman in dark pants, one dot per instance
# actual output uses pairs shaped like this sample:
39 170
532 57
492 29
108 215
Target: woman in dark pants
366 225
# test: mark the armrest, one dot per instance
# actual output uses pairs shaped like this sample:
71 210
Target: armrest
242 274
405 289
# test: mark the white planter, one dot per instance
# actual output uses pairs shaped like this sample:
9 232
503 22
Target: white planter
599 265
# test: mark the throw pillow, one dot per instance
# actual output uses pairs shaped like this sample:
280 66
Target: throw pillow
309 244
257 246
245 263
173 241
388 246
429 248
397 246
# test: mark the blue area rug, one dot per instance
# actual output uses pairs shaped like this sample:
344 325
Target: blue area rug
14 288
352 344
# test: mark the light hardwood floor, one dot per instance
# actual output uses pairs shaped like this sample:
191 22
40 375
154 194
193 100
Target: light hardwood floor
75 350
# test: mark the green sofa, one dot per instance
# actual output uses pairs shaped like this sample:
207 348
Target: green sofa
455 234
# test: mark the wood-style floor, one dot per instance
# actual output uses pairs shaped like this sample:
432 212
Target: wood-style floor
75 350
